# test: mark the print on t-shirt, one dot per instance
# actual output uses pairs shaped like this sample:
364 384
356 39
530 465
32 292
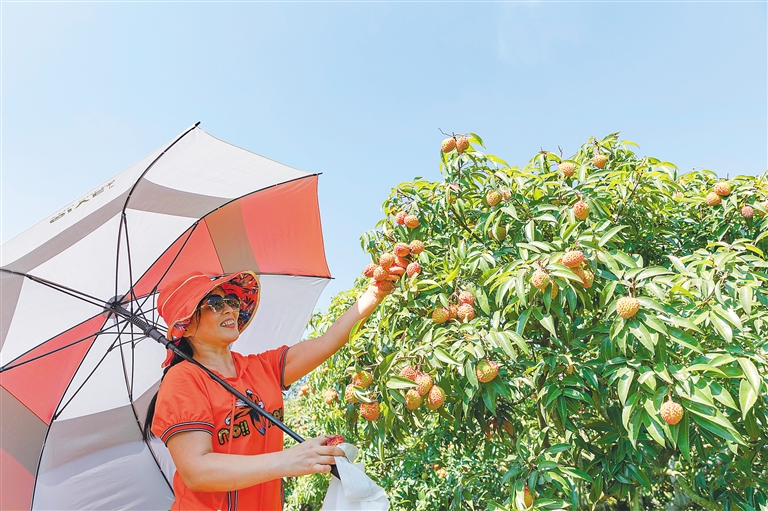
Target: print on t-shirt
240 415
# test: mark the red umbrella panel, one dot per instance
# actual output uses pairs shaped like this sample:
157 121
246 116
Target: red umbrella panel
75 383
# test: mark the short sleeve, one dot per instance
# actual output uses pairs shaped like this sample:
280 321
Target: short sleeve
274 360
182 405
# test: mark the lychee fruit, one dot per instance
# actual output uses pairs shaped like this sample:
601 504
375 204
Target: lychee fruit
587 277
540 279
440 315
413 269
304 390
370 411
573 258
581 210
401 262
599 160
567 168
349 394
411 221
492 198
486 370
413 399
671 412
335 440
506 194
380 273
713 199
423 383
417 247
400 217
462 144
401 249
627 306
499 233
465 312
408 372
330 396
747 212
723 188
435 398
362 379
466 297
453 310
386 260
449 144
554 291
368 272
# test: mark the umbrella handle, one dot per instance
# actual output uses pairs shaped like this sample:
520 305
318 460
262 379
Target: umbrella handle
155 334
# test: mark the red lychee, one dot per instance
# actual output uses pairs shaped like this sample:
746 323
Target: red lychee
440 315
413 399
486 370
423 383
462 144
581 210
370 411
349 394
627 307
723 188
401 249
465 312
400 217
449 144
540 279
408 372
671 412
573 258
368 272
567 168
411 221
386 260
417 247
466 297
492 198
435 397
362 379
713 199
380 274
599 160
335 440
413 269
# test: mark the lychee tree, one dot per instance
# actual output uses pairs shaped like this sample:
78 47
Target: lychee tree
595 329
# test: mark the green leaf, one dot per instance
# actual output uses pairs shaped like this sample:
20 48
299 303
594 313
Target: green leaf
398 382
548 323
722 395
443 356
558 448
575 472
639 476
654 271
625 382
723 328
747 397
745 297
610 234
717 429
751 372
683 440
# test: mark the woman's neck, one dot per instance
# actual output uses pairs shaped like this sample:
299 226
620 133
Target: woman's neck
215 358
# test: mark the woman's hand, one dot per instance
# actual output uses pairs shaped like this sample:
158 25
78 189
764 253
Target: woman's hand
311 457
379 289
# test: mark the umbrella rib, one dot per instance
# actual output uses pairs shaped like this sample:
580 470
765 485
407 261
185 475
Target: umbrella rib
108 350
60 287
73 343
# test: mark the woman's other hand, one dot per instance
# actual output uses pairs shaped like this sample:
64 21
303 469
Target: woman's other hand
311 457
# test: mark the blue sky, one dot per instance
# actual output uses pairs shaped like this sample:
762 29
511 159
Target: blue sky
358 91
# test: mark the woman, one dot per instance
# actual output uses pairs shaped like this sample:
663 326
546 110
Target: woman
227 456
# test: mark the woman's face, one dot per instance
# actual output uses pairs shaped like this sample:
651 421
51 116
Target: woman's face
214 328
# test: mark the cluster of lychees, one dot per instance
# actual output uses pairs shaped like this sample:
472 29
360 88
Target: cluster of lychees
363 379
396 262
458 142
463 311
425 391
715 197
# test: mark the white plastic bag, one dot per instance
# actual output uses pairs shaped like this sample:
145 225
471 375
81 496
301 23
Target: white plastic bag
356 491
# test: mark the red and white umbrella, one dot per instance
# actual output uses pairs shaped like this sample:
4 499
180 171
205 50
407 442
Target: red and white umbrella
75 382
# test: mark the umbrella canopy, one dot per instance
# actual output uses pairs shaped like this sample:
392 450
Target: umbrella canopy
75 382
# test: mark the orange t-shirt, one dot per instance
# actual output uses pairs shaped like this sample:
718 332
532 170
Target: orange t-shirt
189 400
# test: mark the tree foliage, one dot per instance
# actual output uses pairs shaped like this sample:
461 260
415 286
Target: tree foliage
574 411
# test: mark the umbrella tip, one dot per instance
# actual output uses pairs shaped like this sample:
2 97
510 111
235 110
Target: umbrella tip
197 124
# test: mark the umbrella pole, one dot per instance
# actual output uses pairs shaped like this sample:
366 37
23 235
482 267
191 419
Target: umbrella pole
155 334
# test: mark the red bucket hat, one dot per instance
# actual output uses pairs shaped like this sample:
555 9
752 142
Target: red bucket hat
180 297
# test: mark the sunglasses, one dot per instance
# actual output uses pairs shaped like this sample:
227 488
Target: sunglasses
217 303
